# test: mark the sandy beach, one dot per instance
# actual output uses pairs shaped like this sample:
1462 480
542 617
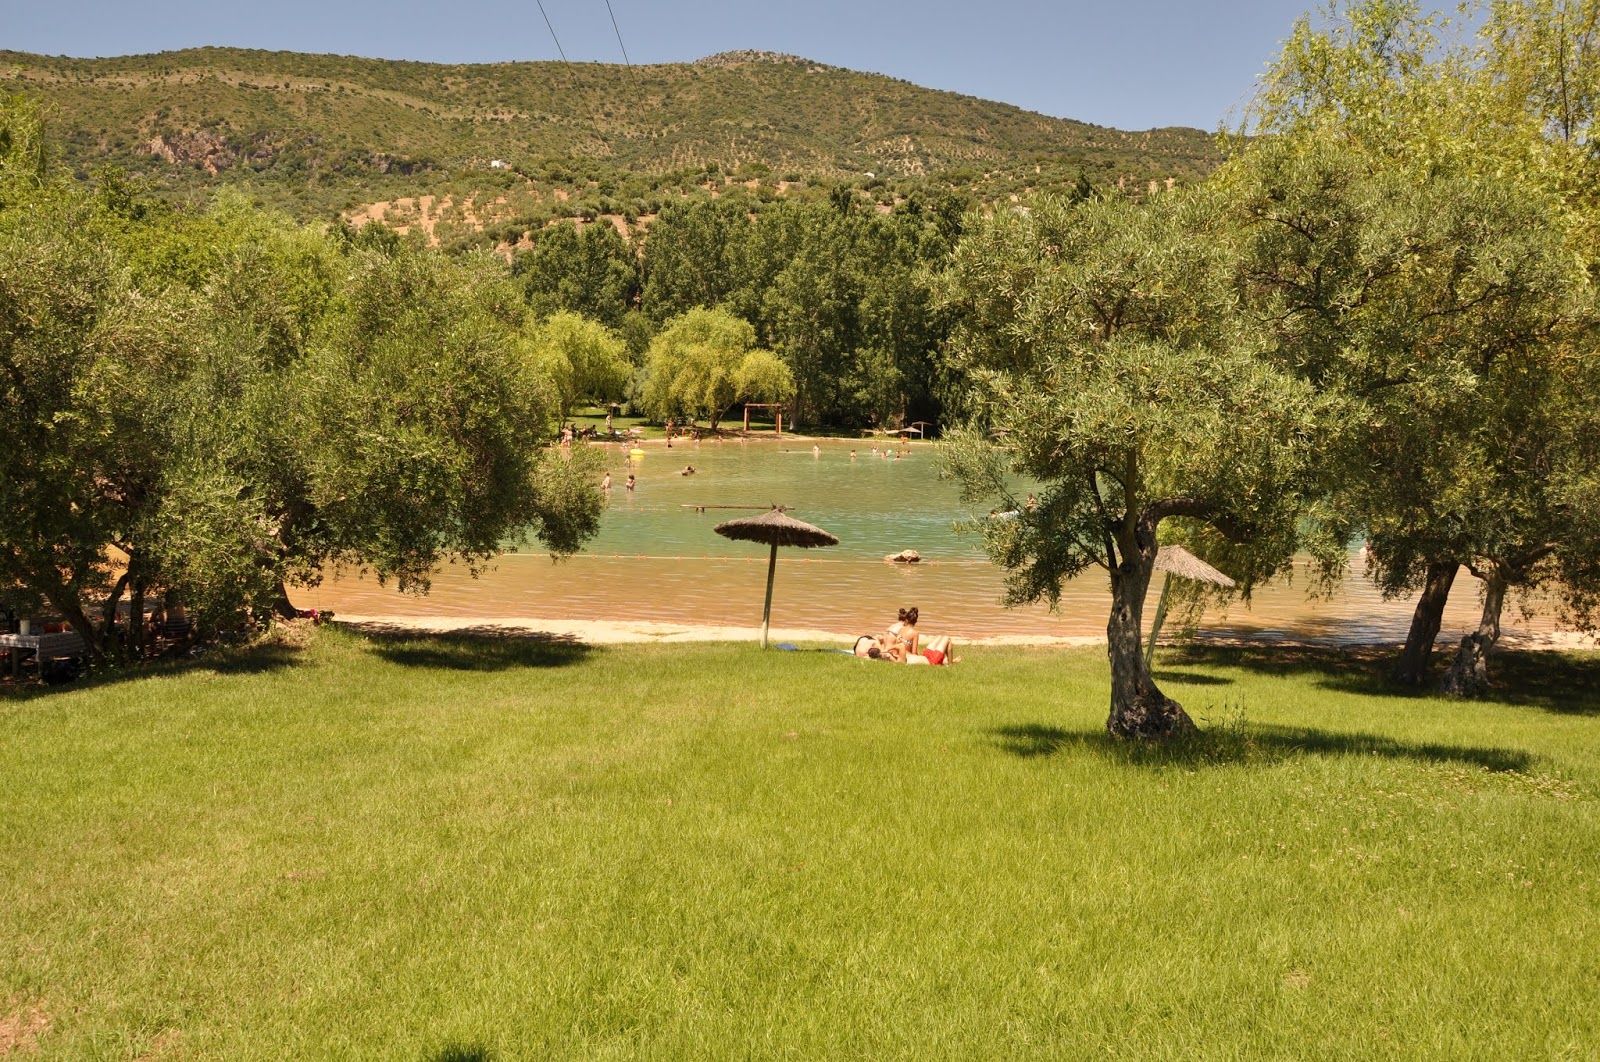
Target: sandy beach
623 632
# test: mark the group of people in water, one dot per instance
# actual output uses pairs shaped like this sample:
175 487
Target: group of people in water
902 643
567 436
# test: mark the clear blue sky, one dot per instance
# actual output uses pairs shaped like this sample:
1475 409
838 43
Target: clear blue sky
1128 63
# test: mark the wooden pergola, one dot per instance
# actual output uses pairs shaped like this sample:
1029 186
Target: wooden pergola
748 406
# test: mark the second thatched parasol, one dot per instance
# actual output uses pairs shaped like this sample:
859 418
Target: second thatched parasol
1177 561
776 528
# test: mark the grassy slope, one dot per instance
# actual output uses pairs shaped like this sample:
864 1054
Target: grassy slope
300 120
400 849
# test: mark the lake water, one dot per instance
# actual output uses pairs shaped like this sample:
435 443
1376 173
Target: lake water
656 558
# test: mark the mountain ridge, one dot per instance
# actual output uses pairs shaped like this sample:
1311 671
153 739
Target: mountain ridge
321 134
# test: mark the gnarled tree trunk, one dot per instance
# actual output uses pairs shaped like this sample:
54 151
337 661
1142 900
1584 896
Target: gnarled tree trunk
1138 707
282 607
1412 669
1469 673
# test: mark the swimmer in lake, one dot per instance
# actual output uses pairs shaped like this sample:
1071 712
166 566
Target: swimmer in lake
605 483
631 482
688 470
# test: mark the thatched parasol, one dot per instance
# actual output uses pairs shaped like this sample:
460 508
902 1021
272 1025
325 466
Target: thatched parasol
776 528
1177 561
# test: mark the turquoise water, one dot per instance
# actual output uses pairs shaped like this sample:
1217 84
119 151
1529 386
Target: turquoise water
872 505
657 558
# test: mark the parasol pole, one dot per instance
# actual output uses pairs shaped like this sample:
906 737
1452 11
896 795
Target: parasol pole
766 610
1155 626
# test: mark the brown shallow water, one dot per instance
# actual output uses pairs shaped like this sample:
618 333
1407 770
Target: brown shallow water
657 560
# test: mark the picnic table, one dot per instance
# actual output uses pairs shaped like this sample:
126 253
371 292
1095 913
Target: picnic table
44 646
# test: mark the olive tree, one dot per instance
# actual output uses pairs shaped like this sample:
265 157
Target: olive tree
215 405
1421 233
1109 364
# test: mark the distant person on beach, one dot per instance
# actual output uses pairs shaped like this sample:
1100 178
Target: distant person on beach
903 632
904 643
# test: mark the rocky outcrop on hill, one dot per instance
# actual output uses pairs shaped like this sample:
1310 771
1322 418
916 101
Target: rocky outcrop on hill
206 150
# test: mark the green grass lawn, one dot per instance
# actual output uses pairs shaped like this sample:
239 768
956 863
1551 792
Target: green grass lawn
441 848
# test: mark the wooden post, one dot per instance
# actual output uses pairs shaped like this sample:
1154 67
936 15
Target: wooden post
1155 626
780 420
747 418
766 610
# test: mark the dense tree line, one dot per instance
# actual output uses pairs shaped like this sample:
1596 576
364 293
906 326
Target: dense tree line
838 291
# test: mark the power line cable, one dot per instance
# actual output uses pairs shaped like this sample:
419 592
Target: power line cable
618 30
559 50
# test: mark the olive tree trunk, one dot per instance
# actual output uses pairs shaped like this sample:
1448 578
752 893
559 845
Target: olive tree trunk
1469 672
1138 707
1412 670
282 607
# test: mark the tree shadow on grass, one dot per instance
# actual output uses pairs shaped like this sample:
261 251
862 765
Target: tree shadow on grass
1564 682
461 1053
259 658
1262 744
480 648
1191 678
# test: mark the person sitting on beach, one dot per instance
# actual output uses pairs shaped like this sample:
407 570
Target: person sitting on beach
902 633
935 651
908 645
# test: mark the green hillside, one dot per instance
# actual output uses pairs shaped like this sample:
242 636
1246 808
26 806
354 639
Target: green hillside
321 134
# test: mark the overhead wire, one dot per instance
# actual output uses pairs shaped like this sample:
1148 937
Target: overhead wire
618 30
559 50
